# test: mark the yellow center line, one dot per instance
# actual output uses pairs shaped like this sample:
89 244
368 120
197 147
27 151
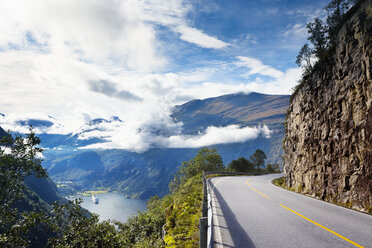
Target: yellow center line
260 193
257 190
329 230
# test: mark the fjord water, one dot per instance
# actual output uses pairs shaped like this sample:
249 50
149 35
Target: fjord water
113 206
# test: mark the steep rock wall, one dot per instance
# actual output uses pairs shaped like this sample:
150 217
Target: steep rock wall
328 143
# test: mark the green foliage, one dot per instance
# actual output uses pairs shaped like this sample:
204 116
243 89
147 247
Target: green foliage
182 215
20 161
83 229
280 182
254 164
258 159
145 228
303 58
272 168
322 36
178 212
336 9
69 225
241 165
205 160
317 36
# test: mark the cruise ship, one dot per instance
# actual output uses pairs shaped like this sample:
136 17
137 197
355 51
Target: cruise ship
95 199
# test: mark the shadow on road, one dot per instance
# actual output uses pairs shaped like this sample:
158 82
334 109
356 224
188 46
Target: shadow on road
238 235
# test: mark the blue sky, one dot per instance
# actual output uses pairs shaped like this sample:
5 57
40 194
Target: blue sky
79 60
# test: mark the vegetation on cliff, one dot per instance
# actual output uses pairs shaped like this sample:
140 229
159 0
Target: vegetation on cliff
322 36
18 159
328 130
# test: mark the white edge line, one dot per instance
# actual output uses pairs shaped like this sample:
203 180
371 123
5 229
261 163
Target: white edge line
217 231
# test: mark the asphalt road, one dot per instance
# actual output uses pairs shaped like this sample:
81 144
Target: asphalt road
252 212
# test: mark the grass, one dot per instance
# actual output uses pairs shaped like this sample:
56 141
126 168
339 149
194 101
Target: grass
280 182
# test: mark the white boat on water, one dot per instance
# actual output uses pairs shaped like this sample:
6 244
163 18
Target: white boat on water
95 199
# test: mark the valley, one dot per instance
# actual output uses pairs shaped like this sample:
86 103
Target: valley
140 175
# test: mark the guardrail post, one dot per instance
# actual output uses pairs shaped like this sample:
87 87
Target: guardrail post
203 225
205 198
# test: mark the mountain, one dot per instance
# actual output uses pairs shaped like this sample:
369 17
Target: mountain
142 175
2 133
40 193
245 110
38 196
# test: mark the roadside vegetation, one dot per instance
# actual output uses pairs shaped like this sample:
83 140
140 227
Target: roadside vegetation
170 221
255 163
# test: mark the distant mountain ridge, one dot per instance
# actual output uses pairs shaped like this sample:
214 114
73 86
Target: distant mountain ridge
244 109
2 133
142 175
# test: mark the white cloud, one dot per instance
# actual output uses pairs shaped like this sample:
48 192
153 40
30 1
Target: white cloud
145 139
172 13
281 85
167 13
196 36
52 51
96 31
297 31
20 123
257 67
79 60
251 39
282 82
218 135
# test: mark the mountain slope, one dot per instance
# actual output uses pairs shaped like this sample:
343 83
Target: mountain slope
38 195
2 132
252 109
142 175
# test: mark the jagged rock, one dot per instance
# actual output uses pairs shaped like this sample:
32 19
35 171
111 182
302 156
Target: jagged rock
328 144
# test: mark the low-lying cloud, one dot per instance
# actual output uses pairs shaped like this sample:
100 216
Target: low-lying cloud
217 135
142 140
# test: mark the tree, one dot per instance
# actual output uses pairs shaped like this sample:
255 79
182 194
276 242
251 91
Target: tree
18 159
272 167
241 165
205 160
258 158
336 10
317 31
83 228
303 58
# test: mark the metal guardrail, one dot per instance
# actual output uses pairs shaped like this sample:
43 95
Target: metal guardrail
206 221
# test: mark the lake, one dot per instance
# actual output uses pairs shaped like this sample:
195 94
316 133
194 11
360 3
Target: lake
112 206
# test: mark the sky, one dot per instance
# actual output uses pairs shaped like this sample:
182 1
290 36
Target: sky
136 59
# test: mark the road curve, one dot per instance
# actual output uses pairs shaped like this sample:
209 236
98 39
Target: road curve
249 211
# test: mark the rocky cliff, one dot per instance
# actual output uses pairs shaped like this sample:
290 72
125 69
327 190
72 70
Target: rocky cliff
328 144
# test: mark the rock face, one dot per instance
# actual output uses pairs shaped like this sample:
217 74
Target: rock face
328 144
